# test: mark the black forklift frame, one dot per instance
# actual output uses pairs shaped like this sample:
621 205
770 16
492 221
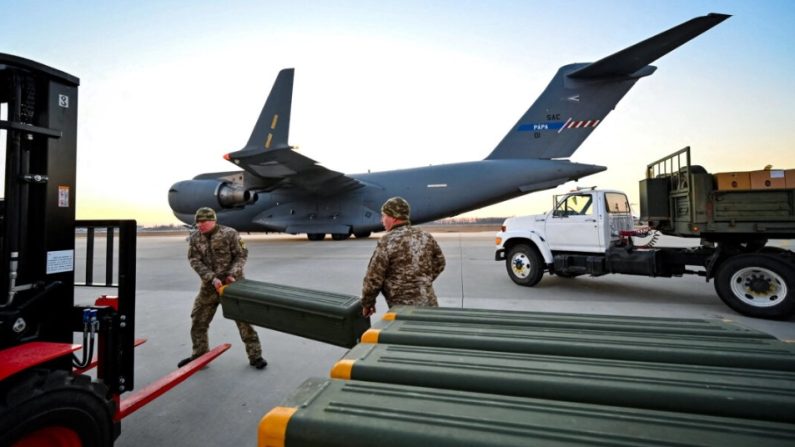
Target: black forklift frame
38 212
115 353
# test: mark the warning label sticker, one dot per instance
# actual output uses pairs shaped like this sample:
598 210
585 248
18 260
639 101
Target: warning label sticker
60 261
63 196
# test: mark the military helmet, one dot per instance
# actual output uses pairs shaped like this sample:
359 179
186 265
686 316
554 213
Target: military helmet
204 213
396 207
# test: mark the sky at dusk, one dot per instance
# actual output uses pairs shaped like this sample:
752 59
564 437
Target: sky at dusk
168 87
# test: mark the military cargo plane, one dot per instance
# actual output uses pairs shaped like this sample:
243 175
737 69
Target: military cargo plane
280 190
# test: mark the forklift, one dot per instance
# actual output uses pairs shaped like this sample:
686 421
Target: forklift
46 399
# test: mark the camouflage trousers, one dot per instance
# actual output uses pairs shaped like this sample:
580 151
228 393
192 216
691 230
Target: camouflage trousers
204 308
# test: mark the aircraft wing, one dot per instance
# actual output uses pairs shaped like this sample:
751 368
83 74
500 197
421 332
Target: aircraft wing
271 163
285 168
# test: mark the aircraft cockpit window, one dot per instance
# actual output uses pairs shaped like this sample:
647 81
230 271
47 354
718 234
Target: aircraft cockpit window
575 205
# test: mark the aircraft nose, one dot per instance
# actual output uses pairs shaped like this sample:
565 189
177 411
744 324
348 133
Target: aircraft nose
173 191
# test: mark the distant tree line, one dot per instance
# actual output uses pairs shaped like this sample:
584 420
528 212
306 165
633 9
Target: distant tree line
468 221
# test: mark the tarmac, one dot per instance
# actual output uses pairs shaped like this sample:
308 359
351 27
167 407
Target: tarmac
223 403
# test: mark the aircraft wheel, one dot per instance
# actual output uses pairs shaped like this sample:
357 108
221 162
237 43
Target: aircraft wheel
55 408
340 236
362 234
757 285
524 265
316 236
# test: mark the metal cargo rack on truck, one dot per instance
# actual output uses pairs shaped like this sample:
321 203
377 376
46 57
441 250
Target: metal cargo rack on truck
681 199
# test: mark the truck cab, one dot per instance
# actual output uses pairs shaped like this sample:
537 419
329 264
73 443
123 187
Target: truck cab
582 222
586 221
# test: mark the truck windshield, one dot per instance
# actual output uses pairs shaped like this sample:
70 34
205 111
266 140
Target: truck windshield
574 205
617 203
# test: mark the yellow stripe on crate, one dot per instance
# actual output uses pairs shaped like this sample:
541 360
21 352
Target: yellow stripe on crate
389 316
342 369
273 427
371 336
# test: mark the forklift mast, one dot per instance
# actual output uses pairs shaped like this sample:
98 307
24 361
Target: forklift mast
44 393
38 115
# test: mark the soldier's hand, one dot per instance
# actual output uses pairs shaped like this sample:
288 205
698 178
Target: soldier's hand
367 311
217 284
229 279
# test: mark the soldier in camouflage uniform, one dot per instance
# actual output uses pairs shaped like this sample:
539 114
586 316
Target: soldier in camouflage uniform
405 263
218 255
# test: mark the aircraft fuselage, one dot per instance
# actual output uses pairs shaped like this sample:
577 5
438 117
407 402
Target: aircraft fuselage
433 192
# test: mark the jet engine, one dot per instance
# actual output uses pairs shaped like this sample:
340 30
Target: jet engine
189 195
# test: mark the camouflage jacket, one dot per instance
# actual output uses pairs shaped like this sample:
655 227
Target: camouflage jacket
403 267
218 254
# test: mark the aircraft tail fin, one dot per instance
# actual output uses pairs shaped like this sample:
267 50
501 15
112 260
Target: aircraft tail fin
581 95
273 126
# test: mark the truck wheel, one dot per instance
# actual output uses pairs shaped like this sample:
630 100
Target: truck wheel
55 408
524 265
757 285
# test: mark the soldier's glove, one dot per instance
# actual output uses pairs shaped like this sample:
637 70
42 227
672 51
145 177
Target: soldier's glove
367 311
217 284
229 279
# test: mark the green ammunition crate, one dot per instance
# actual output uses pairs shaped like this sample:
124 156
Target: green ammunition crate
733 392
334 413
734 352
328 317
611 323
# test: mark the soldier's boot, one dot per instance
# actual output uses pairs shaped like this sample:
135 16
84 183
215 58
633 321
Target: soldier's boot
187 360
258 363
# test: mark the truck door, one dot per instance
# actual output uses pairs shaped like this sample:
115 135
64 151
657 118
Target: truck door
573 225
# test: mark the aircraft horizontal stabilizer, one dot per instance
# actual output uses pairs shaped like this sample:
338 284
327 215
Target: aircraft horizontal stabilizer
630 60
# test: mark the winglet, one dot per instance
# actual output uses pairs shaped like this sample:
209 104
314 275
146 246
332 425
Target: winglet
634 58
273 125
